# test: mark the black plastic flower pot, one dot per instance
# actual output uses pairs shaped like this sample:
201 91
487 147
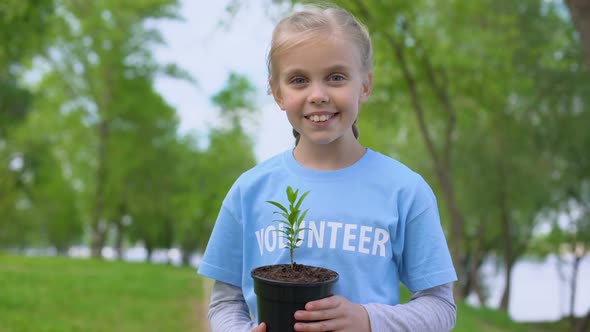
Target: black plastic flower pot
277 301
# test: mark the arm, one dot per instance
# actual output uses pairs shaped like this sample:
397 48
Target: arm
430 310
228 311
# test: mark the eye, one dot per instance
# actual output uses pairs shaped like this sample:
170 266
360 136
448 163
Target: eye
297 80
336 78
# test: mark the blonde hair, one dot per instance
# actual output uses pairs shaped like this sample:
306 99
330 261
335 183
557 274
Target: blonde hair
311 22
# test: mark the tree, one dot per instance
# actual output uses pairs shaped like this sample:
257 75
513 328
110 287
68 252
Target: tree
31 19
229 152
570 183
141 168
580 14
102 49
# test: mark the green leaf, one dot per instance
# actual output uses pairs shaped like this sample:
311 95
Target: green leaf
301 200
293 218
279 205
302 216
282 214
291 195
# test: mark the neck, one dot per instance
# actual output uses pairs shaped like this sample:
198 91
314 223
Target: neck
327 157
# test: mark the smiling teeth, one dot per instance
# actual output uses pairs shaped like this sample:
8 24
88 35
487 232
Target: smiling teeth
320 118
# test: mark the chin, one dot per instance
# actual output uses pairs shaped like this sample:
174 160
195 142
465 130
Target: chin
322 140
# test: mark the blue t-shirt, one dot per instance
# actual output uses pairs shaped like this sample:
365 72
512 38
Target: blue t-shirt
375 222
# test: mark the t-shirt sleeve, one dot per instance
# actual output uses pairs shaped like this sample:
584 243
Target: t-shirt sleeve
426 261
222 259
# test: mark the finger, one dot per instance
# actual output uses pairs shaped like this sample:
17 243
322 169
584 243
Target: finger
325 325
304 315
325 303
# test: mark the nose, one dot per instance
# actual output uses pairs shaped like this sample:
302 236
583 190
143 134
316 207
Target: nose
318 94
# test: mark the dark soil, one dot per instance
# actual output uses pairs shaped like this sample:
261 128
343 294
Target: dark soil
299 273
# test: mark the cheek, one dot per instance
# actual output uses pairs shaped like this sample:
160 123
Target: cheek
292 102
293 117
352 100
292 113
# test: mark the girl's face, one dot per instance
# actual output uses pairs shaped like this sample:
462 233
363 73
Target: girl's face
320 84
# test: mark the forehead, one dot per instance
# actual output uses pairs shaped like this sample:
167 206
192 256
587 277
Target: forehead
319 52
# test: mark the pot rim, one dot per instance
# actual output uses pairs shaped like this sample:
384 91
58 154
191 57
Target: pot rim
293 283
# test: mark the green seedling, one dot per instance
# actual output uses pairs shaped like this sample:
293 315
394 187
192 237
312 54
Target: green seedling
292 218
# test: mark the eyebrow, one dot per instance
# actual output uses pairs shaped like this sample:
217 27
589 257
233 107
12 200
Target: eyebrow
339 67
299 71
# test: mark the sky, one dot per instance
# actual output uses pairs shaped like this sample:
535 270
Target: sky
209 52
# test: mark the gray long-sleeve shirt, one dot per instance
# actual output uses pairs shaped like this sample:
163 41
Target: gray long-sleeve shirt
430 310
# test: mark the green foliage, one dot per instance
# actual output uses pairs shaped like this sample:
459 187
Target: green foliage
229 152
101 53
292 218
31 18
238 94
15 103
237 99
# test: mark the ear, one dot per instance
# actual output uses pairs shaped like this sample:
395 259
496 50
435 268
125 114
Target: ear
276 93
367 87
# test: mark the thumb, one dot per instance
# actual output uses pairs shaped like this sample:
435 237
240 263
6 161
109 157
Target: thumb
260 328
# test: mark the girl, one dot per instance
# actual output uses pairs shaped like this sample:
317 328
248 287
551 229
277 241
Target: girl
371 219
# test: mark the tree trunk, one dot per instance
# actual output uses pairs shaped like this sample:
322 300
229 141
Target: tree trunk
149 248
103 101
119 238
456 235
120 233
480 293
98 229
573 286
473 272
186 253
580 13
506 293
506 224
185 258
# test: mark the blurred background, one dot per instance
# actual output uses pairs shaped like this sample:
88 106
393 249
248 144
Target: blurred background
124 123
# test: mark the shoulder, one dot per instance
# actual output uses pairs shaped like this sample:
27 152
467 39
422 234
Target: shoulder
389 168
401 180
255 179
267 168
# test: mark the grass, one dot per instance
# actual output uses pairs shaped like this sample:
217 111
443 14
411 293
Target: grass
44 294
488 320
62 295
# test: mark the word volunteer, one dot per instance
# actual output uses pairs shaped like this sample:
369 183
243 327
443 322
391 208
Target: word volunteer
325 234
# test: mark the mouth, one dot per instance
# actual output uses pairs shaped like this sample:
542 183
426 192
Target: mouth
318 118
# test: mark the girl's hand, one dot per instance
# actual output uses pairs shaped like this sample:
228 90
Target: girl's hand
260 328
334 313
